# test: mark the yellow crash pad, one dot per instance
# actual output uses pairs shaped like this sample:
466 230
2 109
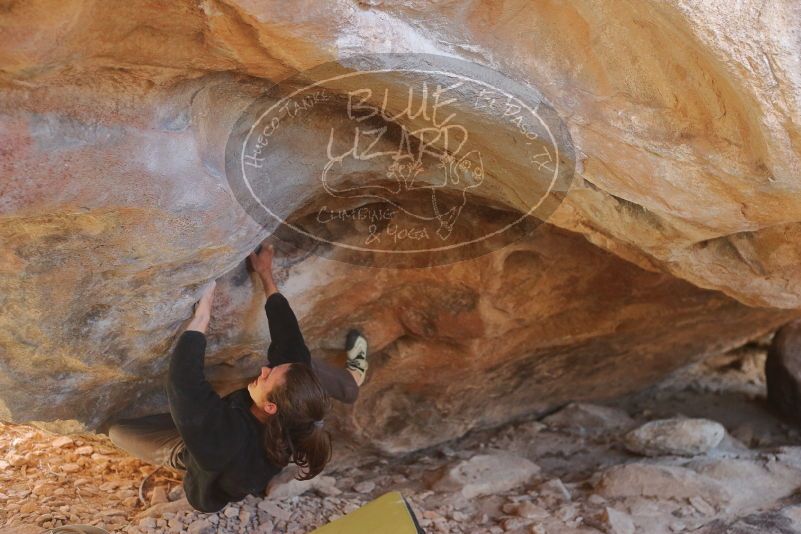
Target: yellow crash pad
387 514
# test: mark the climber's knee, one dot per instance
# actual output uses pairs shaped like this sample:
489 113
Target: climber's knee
351 392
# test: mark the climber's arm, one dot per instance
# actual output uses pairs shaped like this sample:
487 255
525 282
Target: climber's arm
287 344
286 341
210 428
262 262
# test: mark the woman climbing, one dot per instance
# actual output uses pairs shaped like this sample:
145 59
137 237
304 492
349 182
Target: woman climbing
232 446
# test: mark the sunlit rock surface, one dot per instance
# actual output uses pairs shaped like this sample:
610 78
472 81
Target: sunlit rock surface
115 206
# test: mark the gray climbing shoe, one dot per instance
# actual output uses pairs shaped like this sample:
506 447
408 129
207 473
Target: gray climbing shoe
356 346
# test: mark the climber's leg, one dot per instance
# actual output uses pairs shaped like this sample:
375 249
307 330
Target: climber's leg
152 438
336 381
343 384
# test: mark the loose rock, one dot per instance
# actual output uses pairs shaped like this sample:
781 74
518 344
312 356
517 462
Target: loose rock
485 474
683 437
159 496
364 487
619 522
201 526
61 441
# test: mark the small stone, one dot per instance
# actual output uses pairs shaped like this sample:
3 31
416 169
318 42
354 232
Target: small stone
460 516
61 441
86 450
147 522
245 516
177 493
596 499
201 526
364 487
509 508
555 488
231 511
112 512
70 468
701 505
28 507
514 523
130 502
274 510
432 515
566 513
181 505
619 522
326 485
159 496
529 510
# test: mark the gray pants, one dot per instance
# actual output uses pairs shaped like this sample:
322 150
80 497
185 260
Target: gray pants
152 438
155 438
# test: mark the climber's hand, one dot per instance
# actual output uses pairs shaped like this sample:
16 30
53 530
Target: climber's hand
206 299
262 262
202 315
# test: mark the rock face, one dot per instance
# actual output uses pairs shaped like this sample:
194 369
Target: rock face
115 208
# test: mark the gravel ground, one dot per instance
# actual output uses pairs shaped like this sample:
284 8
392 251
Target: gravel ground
576 462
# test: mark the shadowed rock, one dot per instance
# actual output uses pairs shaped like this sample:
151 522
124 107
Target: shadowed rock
783 372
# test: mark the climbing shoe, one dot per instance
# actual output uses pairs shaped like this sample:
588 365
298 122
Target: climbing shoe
356 346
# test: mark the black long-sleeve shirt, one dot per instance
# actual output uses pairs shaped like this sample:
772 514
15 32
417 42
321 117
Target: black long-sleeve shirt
224 456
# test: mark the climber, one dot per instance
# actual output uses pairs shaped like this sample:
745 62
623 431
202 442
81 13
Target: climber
232 446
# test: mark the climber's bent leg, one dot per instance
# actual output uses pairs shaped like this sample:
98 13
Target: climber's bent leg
152 438
336 381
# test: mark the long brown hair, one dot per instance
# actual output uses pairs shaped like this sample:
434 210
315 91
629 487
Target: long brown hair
295 433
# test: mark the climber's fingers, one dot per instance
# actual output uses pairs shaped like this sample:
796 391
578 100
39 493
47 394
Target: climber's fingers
262 261
208 292
206 297
210 287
